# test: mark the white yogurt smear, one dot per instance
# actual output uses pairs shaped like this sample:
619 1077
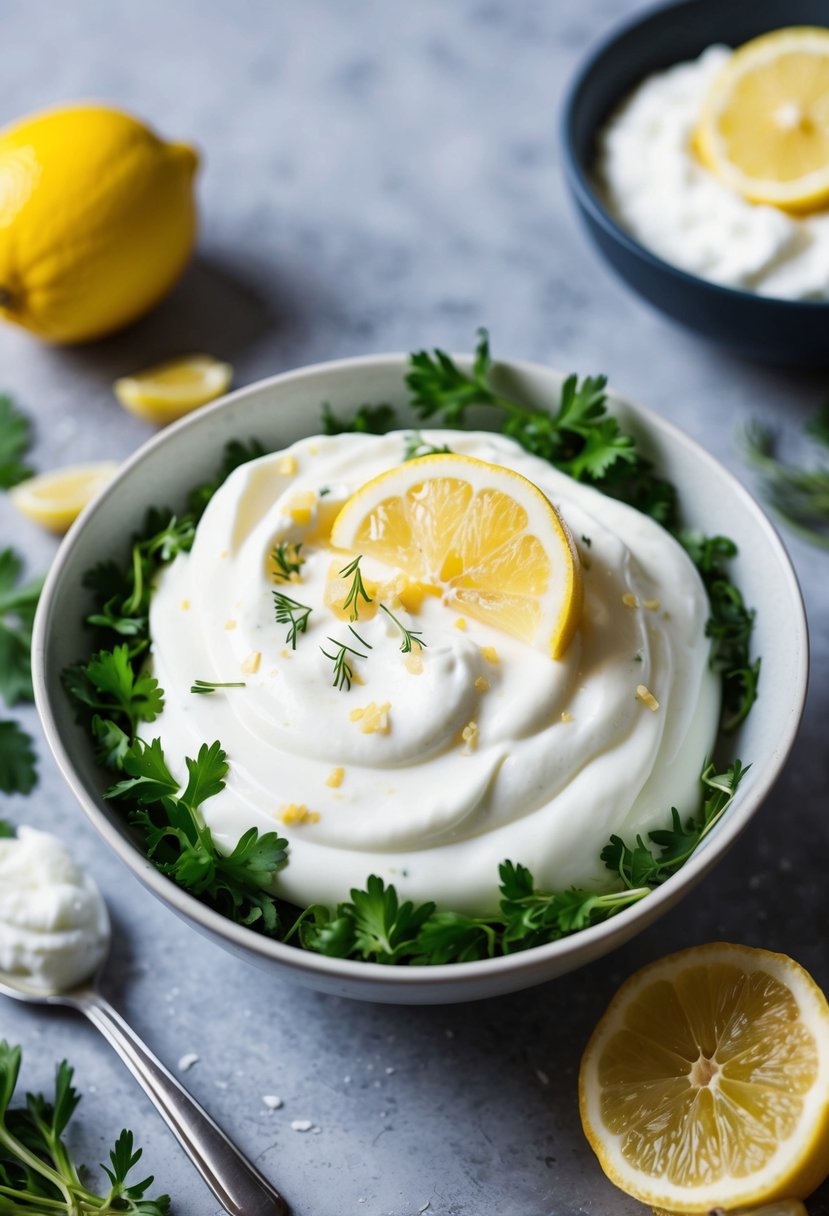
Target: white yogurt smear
566 753
655 187
54 927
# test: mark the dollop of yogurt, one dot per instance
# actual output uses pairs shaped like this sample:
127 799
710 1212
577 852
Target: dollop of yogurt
54 926
655 187
436 765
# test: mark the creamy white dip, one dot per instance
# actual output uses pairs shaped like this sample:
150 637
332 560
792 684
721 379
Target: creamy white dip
655 187
565 752
54 927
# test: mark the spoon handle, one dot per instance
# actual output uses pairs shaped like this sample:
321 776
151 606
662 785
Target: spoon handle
234 1180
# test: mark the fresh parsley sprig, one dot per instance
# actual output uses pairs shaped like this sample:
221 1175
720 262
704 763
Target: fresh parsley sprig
357 590
293 614
182 846
15 441
38 1175
411 637
17 761
375 926
111 685
18 602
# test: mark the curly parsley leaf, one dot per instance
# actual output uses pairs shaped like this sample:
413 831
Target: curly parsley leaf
15 441
18 774
18 603
37 1171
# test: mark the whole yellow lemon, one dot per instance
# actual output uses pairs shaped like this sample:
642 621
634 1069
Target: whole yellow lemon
97 220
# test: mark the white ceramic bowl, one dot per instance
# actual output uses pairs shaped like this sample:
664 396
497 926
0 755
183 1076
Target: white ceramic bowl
287 407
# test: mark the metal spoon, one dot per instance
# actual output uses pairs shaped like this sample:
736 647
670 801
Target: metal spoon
235 1182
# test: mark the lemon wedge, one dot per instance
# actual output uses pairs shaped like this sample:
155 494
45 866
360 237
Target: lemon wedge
706 1082
764 127
55 500
168 391
485 537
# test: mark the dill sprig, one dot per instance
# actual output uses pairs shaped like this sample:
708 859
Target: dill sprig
206 686
291 613
343 671
288 560
357 591
410 636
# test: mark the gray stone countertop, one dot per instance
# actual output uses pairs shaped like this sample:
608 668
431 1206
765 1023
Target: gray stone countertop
380 176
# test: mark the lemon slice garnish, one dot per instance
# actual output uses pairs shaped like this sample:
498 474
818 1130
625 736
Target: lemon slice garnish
706 1082
55 500
764 128
168 391
484 535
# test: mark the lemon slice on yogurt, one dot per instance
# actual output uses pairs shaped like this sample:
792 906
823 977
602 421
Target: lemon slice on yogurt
764 127
483 535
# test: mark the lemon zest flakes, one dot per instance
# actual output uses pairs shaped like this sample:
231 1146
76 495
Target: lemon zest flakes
373 718
565 717
414 662
651 605
490 654
230 625
469 734
300 506
286 465
647 698
482 684
250 665
630 600
185 605
335 777
461 624
297 813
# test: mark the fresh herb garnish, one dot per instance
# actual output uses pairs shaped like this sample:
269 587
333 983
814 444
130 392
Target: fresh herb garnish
417 446
410 636
17 762
181 845
15 441
288 560
374 926
111 685
343 671
17 614
367 420
291 613
37 1172
799 495
208 686
357 591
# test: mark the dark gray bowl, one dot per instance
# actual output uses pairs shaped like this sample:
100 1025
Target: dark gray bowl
780 331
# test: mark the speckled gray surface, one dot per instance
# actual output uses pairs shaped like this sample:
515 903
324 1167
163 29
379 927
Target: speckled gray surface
380 176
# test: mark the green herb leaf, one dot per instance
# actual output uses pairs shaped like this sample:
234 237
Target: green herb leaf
17 761
109 685
417 446
357 591
17 613
288 560
800 496
15 440
368 420
343 671
291 613
208 686
411 637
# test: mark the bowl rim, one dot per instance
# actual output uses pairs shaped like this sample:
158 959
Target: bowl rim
444 975
589 199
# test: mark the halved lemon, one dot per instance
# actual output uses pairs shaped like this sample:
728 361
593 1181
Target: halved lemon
55 500
706 1082
764 127
168 391
485 536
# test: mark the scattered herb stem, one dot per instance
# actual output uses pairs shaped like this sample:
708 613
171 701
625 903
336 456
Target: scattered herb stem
208 686
293 614
411 637
357 591
343 671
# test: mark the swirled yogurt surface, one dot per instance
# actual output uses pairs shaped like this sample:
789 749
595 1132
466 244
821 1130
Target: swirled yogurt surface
658 190
387 778
54 927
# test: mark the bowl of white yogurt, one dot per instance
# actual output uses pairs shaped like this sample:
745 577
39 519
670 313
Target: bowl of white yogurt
749 277
566 752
